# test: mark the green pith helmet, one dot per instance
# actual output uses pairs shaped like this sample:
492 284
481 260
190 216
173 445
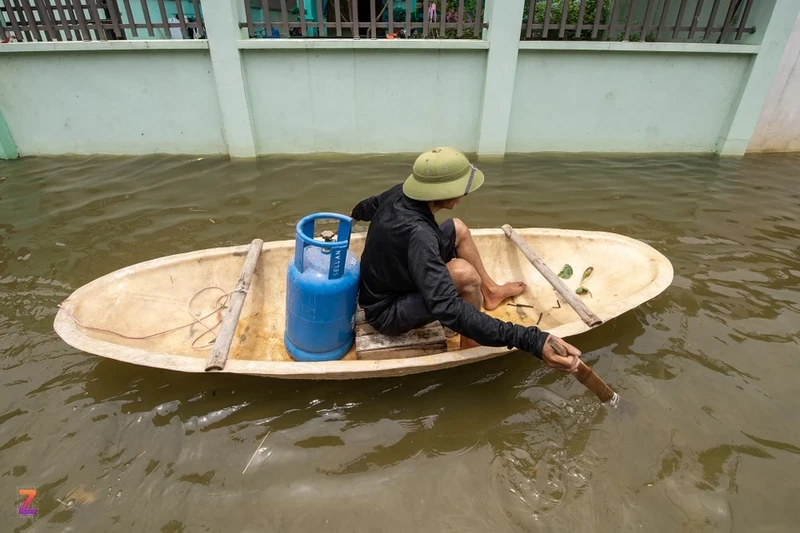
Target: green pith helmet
441 174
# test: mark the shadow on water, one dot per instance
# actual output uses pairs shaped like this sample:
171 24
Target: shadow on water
143 389
431 404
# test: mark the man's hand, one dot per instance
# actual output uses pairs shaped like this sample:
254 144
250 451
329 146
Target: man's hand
560 355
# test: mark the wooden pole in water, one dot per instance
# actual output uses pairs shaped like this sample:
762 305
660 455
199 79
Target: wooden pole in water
585 374
222 345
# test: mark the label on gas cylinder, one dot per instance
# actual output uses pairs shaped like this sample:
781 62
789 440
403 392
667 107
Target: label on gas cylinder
336 261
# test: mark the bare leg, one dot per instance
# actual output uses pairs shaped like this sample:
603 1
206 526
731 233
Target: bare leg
468 285
493 294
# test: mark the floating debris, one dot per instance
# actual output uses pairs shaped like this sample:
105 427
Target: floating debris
79 495
255 452
62 502
566 272
581 289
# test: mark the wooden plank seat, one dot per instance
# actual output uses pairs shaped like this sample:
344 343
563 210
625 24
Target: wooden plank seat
370 344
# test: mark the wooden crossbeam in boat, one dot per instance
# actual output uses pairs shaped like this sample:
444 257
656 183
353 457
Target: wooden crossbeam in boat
373 345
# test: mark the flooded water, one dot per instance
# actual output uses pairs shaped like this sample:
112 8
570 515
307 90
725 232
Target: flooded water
503 445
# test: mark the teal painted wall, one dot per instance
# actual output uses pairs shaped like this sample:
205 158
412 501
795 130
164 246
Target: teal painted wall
622 102
355 101
130 102
368 101
264 96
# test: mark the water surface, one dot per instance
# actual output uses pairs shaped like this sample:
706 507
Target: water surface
503 445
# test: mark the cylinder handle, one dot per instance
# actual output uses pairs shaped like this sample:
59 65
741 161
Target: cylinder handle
304 236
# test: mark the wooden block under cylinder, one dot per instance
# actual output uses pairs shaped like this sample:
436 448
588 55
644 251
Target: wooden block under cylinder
371 345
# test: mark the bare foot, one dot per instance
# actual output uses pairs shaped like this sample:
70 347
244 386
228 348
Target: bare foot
467 343
494 297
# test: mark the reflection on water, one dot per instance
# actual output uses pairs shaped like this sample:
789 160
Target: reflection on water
502 445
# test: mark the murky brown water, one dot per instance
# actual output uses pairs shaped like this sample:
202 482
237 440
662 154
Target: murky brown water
504 445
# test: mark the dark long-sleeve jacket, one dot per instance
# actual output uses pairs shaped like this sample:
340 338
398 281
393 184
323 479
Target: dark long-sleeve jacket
402 254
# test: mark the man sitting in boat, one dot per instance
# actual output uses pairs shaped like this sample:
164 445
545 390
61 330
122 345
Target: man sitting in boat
415 271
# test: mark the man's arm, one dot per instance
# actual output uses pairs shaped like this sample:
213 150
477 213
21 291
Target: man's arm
365 209
439 292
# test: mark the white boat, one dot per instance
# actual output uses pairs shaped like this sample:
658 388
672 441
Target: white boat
166 312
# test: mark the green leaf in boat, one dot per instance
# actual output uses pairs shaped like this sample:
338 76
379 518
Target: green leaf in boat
587 273
566 272
583 290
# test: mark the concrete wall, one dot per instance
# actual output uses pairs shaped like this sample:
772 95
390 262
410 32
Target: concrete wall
128 102
620 101
249 97
364 101
778 127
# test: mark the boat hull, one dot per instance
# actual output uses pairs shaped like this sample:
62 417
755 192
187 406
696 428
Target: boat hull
164 313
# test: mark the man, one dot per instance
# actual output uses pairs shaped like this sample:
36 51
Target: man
414 271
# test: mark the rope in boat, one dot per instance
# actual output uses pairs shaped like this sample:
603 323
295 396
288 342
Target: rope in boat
197 320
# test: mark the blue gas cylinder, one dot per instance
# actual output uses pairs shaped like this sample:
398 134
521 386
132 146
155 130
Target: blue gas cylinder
321 293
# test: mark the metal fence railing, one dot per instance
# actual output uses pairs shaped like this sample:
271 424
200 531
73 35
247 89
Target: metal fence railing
594 20
99 20
632 20
409 19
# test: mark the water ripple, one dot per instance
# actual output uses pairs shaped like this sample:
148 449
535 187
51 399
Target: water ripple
504 445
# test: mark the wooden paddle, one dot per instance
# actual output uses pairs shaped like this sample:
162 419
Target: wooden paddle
589 379
585 374
222 345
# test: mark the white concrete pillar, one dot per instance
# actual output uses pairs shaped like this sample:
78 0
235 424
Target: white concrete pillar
221 18
778 128
741 125
505 23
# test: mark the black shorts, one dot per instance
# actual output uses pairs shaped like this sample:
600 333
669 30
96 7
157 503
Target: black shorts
409 311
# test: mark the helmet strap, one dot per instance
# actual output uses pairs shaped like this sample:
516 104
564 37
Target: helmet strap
469 182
